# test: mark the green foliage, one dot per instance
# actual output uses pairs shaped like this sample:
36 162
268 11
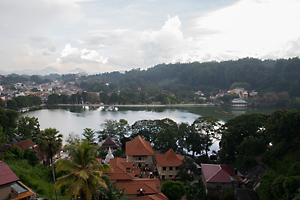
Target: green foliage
173 190
228 195
12 104
38 178
89 135
208 129
187 165
31 156
83 172
50 142
238 131
14 153
195 191
28 128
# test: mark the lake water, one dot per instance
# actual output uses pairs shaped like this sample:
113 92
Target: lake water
72 120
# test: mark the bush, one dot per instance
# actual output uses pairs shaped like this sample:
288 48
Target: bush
173 190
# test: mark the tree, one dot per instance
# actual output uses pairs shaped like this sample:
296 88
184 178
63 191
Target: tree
116 130
89 135
12 104
84 172
50 142
208 129
28 128
31 156
236 130
53 99
173 190
187 165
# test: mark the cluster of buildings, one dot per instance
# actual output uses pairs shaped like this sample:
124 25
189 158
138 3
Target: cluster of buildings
141 173
41 90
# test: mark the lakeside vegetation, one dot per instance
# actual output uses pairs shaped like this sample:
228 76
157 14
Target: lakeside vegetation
276 82
246 141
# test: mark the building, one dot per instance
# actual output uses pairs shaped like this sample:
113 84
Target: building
168 164
10 186
125 176
110 143
237 102
139 152
217 178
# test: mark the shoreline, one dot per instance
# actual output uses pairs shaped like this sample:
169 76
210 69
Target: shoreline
136 105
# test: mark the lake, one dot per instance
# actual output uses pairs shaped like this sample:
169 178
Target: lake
72 120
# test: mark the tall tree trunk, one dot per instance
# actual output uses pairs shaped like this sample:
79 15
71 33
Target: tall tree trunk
53 174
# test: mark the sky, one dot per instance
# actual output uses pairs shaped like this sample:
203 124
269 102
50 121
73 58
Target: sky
119 35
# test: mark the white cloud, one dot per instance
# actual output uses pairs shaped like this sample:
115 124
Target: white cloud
250 28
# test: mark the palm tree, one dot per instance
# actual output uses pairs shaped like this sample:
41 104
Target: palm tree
50 142
84 172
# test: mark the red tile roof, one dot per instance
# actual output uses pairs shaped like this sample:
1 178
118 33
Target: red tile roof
131 187
6 174
138 147
25 144
169 159
159 196
119 172
217 173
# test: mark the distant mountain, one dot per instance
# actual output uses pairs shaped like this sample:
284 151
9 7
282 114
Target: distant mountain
42 72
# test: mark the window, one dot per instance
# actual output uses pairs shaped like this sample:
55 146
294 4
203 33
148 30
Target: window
170 168
163 177
140 158
170 176
177 168
127 169
164 168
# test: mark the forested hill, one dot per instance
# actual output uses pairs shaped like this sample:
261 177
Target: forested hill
262 76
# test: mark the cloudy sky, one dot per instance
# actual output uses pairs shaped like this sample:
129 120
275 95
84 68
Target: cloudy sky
108 35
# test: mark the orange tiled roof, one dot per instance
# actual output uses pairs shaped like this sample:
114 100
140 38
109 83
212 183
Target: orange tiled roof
159 196
138 146
119 172
131 187
169 159
25 144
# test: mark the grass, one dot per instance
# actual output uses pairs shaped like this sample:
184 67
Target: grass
38 178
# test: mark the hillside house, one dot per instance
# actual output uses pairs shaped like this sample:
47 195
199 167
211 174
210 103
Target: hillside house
168 164
125 176
139 152
10 186
217 178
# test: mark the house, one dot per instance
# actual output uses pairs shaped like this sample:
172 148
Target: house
25 144
217 178
159 196
237 102
110 143
10 186
139 152
139 187
125 176
122 170
168 164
